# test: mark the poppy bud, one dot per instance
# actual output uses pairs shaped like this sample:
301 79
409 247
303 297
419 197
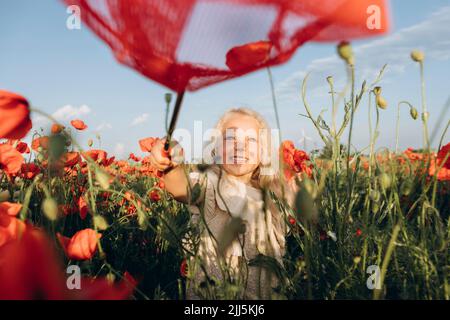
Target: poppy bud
413 113
381 102
330 80
385 181
168 97
345 52
406 187
110 277
100 223
375 207
374 195
417 55
90 143
425 116
357 260
377 91
103 179
50 208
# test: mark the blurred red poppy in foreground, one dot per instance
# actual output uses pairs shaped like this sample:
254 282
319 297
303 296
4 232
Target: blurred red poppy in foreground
78 124
82 245
15 119
10 226
29 269
10 159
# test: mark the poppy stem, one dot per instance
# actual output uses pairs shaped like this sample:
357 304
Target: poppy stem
173 120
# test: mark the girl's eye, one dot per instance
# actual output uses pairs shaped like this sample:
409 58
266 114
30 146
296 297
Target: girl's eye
229 138
252 139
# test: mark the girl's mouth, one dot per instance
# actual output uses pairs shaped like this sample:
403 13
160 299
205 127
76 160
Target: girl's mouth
239 159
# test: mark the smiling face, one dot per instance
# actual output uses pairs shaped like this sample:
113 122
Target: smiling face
240 145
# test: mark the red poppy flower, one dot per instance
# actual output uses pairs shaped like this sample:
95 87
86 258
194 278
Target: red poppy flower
183 268
29 171
292 221
134 157
10 226
10 209
78 124
57 128
443 153
70 159
147 144
296 161
99 156
30 270
15 121
66 209
20 146
82 207
154 195
42 142
444 172
82 245
358 232
10 159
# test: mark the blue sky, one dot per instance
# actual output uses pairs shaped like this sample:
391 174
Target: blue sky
73 74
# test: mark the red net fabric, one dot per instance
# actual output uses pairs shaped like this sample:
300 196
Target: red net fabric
190 44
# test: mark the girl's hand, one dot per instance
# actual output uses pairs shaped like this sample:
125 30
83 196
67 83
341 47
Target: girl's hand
164 160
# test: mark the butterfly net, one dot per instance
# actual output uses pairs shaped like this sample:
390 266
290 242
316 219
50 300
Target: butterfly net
190 44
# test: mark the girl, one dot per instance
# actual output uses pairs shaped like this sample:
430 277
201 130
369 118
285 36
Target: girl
239 222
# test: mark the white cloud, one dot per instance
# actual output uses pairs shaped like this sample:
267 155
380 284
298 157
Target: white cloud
104 126
119 150
63 114
139 120
431 35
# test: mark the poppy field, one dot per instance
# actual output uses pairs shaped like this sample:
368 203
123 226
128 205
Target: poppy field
370 224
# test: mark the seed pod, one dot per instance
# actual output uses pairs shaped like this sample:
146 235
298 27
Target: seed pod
417 55
381 102
50 208
413 113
